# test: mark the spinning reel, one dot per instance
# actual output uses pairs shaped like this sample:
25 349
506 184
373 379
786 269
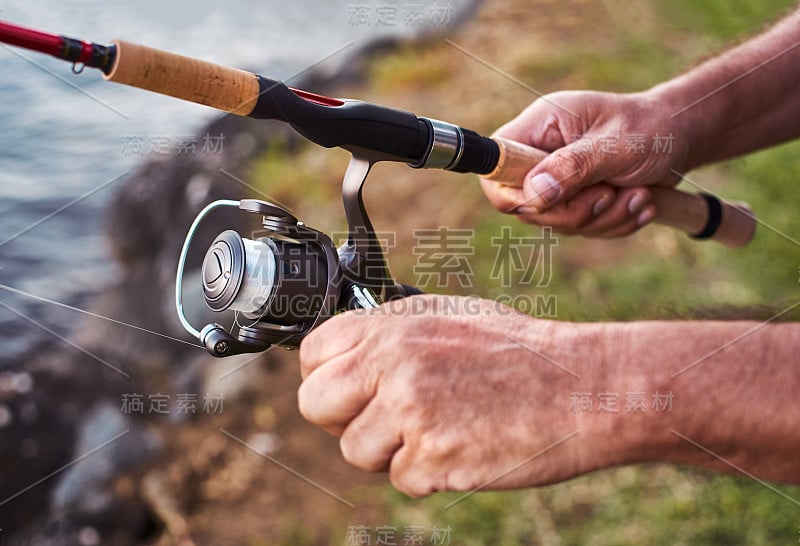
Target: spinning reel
290 278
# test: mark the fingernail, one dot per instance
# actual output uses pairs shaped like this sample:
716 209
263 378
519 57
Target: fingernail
544 189
601 204
646 215
636 203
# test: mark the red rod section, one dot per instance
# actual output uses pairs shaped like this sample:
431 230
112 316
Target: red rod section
69 49
44 42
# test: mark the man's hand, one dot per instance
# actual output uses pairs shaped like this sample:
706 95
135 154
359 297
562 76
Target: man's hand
450 393
740 101
594 182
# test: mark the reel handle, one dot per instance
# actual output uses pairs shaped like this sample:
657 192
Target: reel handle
219 342
694 214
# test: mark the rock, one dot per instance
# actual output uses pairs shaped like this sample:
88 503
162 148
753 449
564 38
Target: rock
83 490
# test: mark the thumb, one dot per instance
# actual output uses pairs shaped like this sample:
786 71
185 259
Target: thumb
563 174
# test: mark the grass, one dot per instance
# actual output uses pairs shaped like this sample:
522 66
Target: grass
658 273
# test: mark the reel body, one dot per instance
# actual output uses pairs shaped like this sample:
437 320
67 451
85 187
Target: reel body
288 278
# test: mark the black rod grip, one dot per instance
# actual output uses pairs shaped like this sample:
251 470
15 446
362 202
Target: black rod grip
480 154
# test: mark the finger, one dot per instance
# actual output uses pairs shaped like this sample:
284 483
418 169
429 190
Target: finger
503 197
408 476
333 394
563 173
539 125
628 204
369 441
574 214
516 129
336 336
629 227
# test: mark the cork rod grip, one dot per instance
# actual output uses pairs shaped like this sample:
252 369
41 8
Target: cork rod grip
685 211
228 89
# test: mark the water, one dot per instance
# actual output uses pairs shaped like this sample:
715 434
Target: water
64 136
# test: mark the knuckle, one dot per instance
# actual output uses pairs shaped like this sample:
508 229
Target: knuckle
351 452
414 487
346 447
305 402
357 451
306 366
505 206
308 353
498 196
574 163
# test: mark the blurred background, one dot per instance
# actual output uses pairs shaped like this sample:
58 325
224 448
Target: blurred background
119 164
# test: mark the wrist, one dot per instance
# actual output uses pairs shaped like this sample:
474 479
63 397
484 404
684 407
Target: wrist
691 127
629 383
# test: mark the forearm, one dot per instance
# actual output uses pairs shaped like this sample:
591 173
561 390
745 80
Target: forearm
734 389
742 100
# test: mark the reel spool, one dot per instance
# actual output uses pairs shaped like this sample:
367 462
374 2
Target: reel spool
284 282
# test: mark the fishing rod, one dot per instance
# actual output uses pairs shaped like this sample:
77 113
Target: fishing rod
292 277
388 134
